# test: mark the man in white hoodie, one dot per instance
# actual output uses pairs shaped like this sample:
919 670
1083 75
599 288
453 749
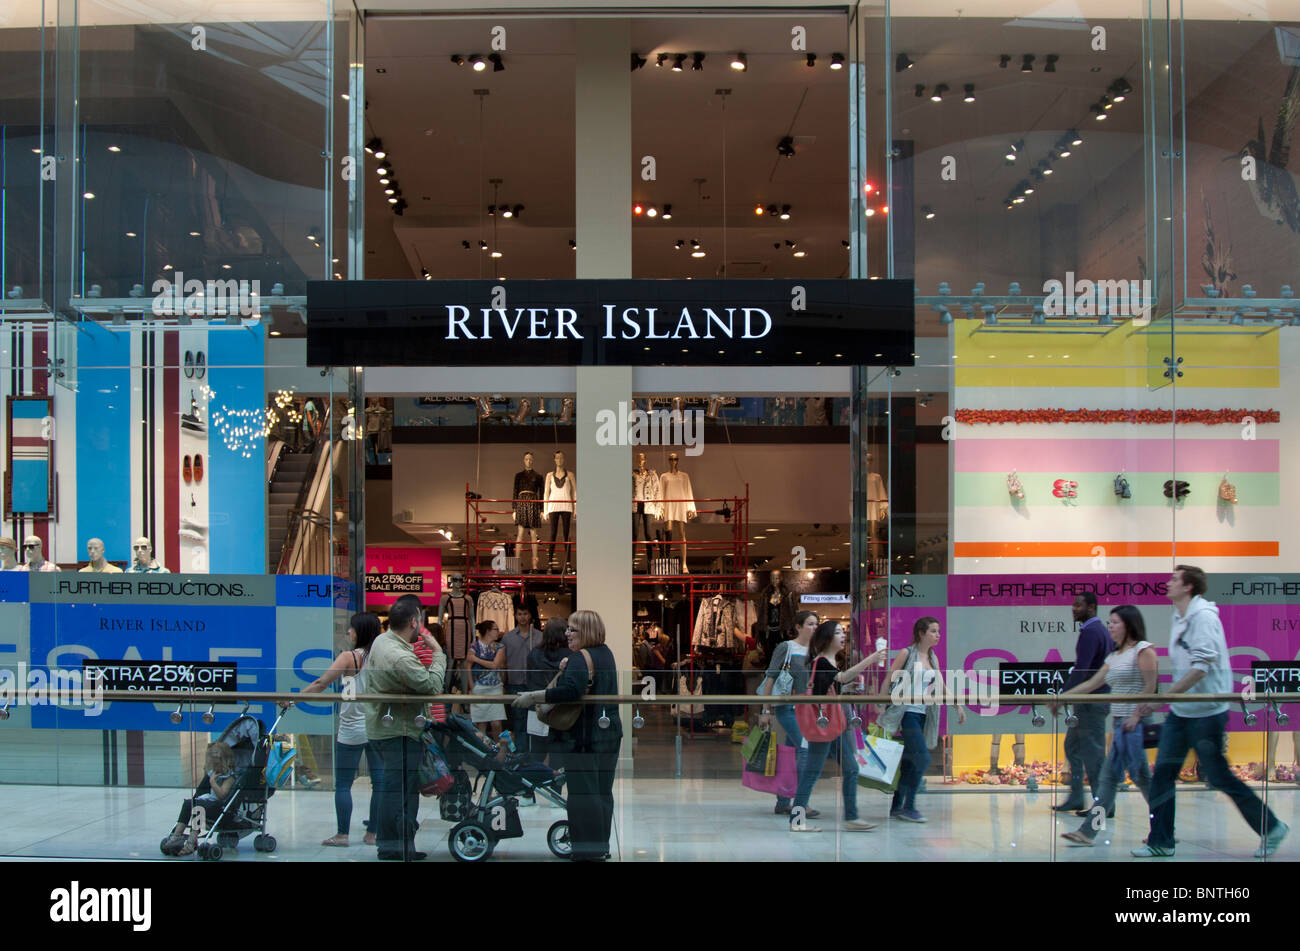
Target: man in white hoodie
1198 651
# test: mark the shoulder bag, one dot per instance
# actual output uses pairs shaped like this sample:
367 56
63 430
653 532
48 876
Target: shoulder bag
562 716
819 723
891 718
783 686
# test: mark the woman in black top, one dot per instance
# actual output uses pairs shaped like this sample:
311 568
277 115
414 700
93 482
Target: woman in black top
827 641
590 751
544 663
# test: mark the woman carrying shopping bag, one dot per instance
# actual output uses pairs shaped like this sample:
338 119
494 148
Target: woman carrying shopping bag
788 674
918 720
826 729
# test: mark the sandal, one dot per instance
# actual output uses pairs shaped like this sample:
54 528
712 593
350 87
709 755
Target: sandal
338 841
1077 838
369 839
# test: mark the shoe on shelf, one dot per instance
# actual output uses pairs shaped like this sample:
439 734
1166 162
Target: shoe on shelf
1077 838
1151 851
910 815
337 841
1273 839
858 825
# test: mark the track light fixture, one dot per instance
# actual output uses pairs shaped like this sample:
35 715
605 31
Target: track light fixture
697 62
920 90
772 211
400 207
1120 89
811 60
566 411
939 90
1003 60
837 61
1050 66
465 245
678 60
374 144
679 245
970 92
484 407
517 209
789 243
476 63
573 245
739 62
492 211
785 148
660 59
498 65
482 245
506 212
525 407
668 213
638 62
927 212
1013 151
903 62
382 169
1098 112
758 209
1107 103
458 59
1027 63
651 212
424 273
785 213
1075 138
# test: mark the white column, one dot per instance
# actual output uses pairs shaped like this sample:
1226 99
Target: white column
604 235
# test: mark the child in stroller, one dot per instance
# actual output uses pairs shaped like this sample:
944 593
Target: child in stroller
481 822
230 801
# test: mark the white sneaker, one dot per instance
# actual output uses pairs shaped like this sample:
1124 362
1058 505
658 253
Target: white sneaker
1273 840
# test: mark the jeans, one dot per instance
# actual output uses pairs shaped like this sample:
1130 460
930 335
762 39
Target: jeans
785 716
916 758
399 793
589 777
1205 735
517 719
1085 749
1126 756
347 760
818 753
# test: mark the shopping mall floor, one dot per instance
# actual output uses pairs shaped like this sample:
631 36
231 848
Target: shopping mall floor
704 816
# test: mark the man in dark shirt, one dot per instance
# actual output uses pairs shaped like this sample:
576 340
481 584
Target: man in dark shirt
1085 742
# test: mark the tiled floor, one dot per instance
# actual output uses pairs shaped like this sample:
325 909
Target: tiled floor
658 820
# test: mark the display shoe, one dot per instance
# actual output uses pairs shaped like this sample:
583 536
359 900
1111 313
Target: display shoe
189 363
192 421
1076 838
186 470
191 536
198 468
194 525
200 366
1177 489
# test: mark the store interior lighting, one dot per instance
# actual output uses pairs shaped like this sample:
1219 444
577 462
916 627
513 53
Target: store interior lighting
678 60
970 92
785 148
903 62
477 64
1027 63
498 65
939 90
1050 65
920 90
739 62
697 62
837 61
638 62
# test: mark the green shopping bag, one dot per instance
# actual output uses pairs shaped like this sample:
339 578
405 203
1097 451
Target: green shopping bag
879 759
757 749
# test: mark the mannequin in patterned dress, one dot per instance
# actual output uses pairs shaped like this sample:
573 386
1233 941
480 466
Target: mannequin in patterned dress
526 509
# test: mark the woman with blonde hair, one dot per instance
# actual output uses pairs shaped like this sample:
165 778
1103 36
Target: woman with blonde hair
589 750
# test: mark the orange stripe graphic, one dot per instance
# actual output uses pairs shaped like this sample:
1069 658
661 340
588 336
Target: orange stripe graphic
1115 549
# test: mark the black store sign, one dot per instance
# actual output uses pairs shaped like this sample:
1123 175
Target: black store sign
610 323
1278 676
1025 679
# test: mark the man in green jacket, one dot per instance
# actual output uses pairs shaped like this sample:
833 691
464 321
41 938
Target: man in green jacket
393 730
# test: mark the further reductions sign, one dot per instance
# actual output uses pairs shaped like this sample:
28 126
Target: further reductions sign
610 323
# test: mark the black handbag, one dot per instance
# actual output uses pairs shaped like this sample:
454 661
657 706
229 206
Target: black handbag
1151 735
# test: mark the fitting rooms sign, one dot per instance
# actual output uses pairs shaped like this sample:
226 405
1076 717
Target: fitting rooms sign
614 323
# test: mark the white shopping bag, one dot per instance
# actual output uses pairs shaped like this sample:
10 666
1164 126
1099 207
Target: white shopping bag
878 762
535 725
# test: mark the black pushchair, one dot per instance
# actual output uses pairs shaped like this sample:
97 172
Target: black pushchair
245 811
494 815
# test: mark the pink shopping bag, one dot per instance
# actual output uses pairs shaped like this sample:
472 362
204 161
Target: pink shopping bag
783 783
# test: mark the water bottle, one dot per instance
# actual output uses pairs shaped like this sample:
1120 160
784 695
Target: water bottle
508 740
881 644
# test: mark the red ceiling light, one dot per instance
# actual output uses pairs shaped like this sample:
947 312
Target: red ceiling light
868 188
638 209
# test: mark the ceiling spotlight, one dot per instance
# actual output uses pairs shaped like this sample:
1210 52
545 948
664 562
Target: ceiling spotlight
772 211
373 145
758 209
477 63
920 90
800 253
659 60
789 243
902 62
845 245
573 245
400 206
1027 63
652 212
1075 138
1003 60
679 245
1098 112
492 211
1018 200
638 62
837 61
785 212
385 181
668 212
382 169
424 273
869 212
739 63
482 245
939 90
497 65
927 211
1012 152
517 209
390 191
115 148
392 200
1120 89
495 253
1026 188
87 194
638 209
697 62
1050 66
970 92
697 253
1107 103
506 212
465 245
458 59
811 59
694 243
785 147
678 60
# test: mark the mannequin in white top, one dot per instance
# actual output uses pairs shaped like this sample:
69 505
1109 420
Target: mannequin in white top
527 507
677 503
645 506
560 495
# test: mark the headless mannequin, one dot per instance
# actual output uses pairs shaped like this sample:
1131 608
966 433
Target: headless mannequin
527 513
675 526
643 510
561 485
995 749
458 623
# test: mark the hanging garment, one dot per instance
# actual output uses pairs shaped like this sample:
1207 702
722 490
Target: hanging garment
746 616
645 488
494 605
715 624
877 499
677 498
527 497
560 494
457 615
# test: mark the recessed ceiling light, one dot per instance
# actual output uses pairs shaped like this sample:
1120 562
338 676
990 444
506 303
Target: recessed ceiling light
738 62
194 234
87 194
115 148
130 234
477 63
837 61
